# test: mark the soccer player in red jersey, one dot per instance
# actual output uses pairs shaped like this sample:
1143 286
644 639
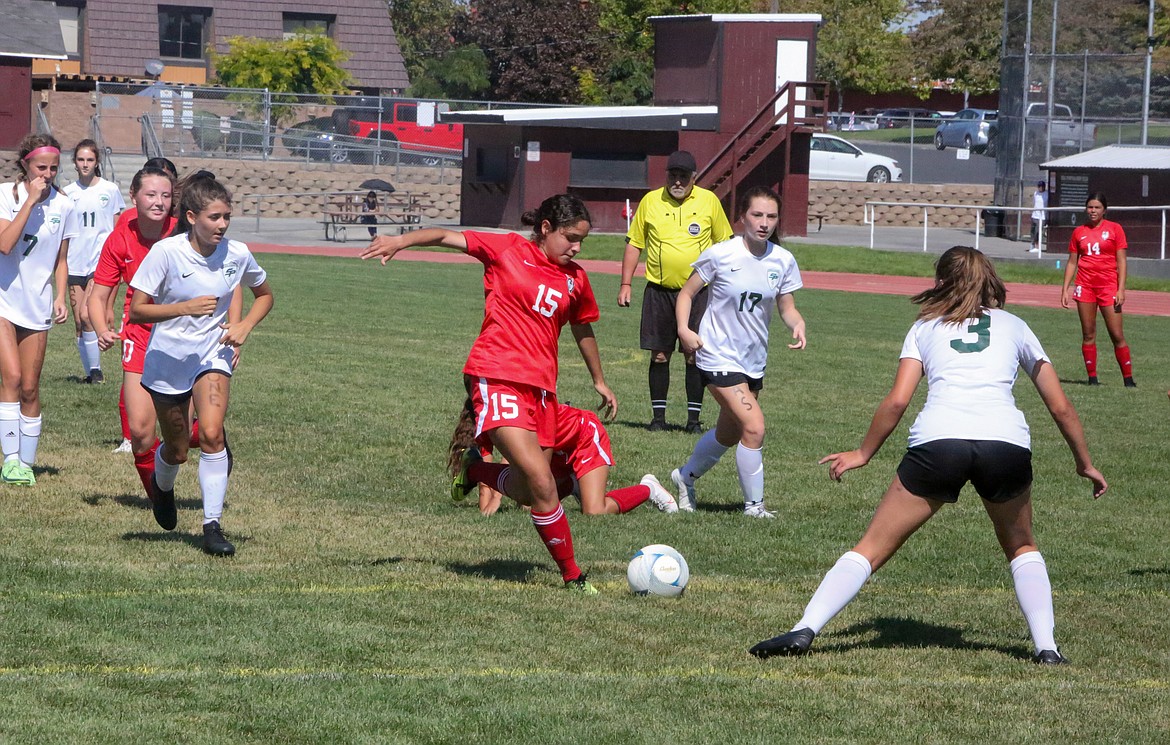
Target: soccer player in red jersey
535 288
582 457
122 253
1097 259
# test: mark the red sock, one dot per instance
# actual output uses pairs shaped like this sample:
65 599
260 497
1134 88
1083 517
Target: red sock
194 443
629 497
1122 355
144 464
553 529
122 413
483 472
1090 354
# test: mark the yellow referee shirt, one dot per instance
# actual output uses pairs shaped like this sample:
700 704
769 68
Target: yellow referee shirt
673 235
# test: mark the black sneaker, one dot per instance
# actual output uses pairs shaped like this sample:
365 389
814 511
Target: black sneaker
657 425
695 428
213 541
1050 657
1129 382
1093 380
785 645
163 506
96 376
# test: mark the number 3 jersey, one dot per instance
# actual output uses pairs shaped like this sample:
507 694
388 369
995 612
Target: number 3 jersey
26 272
970 368
742 294
182 348
527 300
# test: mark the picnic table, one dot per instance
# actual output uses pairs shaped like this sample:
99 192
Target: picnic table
344 210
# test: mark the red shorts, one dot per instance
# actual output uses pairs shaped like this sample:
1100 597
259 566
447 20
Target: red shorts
1103 295
134 340
582 442
502 403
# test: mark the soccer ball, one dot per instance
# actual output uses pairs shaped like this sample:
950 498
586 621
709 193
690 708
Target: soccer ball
658 570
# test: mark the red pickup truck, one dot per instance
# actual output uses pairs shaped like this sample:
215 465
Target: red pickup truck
410 125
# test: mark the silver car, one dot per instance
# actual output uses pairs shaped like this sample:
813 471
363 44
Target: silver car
970 128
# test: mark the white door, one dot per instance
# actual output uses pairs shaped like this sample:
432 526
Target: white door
791 64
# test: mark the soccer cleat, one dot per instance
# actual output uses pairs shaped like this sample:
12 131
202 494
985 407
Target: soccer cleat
1129 382
162 504
96 376
785 645
657 424
1093 380
581 585
14 472
756 509
123 448
1049 657
213 541
661 498
695 428
461 485
26 473
686 492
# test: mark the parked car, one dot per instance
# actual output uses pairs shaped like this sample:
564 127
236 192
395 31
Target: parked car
893 118
848 121
403 124
318 139
1066 133
833 159
970 128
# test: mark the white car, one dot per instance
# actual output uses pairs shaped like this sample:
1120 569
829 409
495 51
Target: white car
833 159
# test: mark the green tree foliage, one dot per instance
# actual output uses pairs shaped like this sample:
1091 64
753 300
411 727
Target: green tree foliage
960 40
438 67
308 63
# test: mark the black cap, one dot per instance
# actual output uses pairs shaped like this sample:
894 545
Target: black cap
1042 183
682 161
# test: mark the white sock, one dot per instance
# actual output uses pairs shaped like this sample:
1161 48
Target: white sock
213 479
164 473
749 462
1034 592
9 428
703 458
82 353
840 585
91 356
30 437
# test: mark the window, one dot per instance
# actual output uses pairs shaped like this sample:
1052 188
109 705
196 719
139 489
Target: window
296 24
70 15
612 170
491 165
183 32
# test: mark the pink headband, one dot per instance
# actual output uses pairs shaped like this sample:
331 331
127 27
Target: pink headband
42 149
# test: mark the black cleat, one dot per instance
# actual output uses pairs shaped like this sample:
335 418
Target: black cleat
695 428
657 425
1093 380
785 645
1050 657
163 506
213 541
1129 382
96 376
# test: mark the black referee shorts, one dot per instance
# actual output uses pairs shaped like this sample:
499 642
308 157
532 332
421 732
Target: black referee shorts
999 471
659 331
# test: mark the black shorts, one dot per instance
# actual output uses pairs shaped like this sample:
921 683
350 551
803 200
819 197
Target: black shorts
178 399
80 280
999 471
659 328
731 379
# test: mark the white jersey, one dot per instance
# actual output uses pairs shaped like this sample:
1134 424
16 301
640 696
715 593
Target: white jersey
183 348
741 297
26 272
98 206
970 369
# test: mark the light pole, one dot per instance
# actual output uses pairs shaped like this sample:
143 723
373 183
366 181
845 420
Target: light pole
1146 80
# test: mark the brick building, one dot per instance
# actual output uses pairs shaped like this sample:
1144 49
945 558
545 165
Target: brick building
119 37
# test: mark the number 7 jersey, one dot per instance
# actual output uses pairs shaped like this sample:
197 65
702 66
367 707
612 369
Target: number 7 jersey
528 299
26 272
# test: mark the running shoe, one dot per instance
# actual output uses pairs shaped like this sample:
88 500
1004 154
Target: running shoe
461 485
213 541
14 472
123 448
661 498
793 643
163 506
581 585
686 492
756 509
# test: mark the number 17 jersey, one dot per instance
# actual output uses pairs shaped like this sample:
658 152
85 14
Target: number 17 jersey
528 299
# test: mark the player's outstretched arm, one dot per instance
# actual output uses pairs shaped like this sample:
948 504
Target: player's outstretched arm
689 340
385 246
786 304
885 420
1048 385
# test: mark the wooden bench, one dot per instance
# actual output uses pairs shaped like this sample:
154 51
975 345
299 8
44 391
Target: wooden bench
401 211
819 217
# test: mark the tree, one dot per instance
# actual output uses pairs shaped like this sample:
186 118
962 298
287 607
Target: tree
437 66
959 40
307 63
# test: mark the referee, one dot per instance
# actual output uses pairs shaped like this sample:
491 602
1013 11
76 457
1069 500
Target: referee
673 225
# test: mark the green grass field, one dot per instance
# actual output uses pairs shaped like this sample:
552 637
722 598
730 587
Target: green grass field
363 606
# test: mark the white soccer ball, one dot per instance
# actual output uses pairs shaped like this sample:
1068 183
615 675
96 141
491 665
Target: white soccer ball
658 570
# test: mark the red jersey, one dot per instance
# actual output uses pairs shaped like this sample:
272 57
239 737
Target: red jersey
1096 250
123 252
528 300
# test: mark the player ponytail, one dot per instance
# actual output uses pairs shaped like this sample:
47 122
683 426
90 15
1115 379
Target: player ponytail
560 211
965 284
92 146
462 438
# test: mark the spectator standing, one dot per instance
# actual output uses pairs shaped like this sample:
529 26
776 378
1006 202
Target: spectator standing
673 225
1039 214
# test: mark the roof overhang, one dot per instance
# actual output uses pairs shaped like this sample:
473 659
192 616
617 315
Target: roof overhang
745 17
1115 158
645 118
30 29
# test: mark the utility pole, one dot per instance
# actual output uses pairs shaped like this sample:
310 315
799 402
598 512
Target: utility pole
1146 81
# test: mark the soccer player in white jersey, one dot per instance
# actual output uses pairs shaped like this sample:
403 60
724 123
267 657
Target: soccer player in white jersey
969 351
747 276
98 204
36 224
184 287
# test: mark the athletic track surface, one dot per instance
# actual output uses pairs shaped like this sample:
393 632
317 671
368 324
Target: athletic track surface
1137 302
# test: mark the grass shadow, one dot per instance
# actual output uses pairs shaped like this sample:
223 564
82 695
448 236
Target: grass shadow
505 570
908 633
46 470
191 539
137 501
1148 571
1077 381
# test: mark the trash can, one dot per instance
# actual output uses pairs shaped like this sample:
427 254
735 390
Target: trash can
992 223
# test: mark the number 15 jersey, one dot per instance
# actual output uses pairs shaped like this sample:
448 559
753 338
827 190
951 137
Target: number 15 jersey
528 299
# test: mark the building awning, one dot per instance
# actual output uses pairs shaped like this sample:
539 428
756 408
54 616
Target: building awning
651 118
745 17
30 29
1115 158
